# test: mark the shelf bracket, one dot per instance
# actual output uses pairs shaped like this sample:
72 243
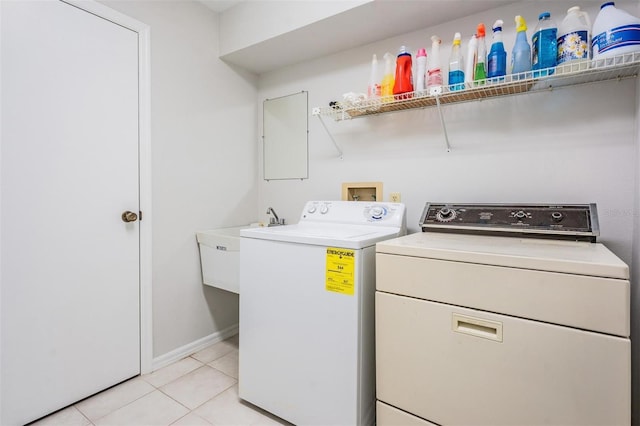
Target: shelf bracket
316 112
442 123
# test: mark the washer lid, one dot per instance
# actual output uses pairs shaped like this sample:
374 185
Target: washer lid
334 235
572 257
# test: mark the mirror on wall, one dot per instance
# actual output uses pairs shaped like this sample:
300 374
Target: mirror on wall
285 137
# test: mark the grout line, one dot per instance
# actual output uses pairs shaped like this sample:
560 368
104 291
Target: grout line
158 388
167 366
82 414
119 408
213 397
226 374
192 413
167 395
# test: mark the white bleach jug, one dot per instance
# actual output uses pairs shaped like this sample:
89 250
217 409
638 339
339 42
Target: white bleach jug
615 32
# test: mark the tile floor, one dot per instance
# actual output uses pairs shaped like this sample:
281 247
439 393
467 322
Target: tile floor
201 389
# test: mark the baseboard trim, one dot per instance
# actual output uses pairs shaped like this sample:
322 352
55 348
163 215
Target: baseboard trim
193 347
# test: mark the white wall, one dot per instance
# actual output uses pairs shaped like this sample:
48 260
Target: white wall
573 145
203 116
568 145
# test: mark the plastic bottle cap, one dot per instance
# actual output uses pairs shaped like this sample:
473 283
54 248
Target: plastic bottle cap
609 3
456 39
574 9
480 31
497 26
521 24
421 52
544 15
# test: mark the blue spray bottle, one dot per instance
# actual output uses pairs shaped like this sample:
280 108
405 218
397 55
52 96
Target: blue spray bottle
456 74
497 61
521 53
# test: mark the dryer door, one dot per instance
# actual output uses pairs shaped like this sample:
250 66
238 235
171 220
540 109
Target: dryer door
458 366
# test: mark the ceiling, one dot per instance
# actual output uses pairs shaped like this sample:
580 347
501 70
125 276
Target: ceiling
220 5
351 29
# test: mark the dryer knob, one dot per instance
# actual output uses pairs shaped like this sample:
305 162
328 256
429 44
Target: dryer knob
324 209
446 214
311 209
557 216
520 214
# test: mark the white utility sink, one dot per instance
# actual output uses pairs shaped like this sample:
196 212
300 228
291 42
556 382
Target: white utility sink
220 257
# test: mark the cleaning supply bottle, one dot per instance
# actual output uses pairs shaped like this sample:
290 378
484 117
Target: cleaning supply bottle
480 71
574 39
434 82
615 32
472 57
403 84
521 53
386 89
421 61
373 90
497 60
456 74
544 46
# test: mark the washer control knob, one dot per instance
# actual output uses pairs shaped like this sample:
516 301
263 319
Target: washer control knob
557 216
312 208
324 209
377 212
446 214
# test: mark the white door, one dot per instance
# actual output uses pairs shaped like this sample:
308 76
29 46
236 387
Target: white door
69 164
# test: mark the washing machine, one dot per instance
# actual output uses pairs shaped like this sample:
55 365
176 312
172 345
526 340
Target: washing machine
502 315
307 312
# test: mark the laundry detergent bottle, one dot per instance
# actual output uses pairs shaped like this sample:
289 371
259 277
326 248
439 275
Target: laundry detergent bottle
386 89
497 60
521 53
574 38
403 85
615 32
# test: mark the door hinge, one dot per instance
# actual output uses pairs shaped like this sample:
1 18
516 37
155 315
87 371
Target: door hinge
140 215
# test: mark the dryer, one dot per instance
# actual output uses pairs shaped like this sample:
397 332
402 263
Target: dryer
306 312
502 315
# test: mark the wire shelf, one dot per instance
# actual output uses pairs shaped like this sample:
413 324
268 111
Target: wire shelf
614 68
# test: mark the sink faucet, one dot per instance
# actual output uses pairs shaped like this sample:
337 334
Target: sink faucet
275 220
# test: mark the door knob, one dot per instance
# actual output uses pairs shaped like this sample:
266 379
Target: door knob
129 216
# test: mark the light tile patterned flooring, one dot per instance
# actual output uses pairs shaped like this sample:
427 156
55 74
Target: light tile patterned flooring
199 390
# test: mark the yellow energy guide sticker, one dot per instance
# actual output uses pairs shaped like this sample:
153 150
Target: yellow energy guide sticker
340 270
